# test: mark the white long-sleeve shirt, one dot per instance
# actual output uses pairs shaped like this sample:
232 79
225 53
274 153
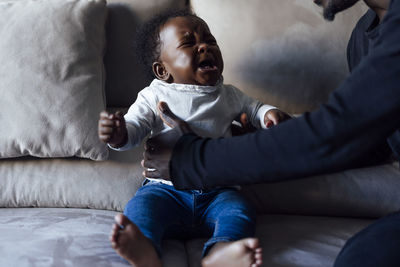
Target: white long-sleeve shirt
209 110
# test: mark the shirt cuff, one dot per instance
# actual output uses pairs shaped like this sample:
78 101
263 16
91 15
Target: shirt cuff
261 113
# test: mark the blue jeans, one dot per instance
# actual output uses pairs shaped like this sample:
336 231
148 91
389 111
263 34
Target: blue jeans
160 211
375 246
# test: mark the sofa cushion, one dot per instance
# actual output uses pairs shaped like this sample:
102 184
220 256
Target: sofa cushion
79 237
72 182
80 183
296 241
365 192
67 237
52 78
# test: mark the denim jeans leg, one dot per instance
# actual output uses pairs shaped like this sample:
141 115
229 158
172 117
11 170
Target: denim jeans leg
376 245
232 216
155 208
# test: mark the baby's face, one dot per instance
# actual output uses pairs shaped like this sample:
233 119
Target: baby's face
189 52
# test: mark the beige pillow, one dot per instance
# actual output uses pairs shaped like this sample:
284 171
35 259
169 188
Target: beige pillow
51 78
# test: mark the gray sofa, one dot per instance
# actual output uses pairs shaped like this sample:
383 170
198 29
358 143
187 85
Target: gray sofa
58 210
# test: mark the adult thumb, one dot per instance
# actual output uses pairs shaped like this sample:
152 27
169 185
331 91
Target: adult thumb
170 119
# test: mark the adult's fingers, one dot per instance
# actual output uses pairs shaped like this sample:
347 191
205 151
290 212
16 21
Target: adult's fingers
150 145
146 161
243 120
169 118
167 115
162 142
247 126
273 118
269 123
143 162
151 173
150 170
146 147
244 127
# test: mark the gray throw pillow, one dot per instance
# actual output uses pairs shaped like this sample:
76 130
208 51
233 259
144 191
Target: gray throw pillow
51 78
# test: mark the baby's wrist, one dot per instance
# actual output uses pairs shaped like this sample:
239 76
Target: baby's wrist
120 143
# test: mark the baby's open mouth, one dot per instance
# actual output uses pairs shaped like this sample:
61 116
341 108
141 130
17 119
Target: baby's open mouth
207 65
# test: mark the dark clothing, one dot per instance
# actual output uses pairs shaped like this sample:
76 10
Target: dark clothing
360 113
362 37
365 32
377 245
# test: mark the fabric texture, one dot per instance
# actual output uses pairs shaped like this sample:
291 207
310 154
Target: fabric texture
160 211
369 192
67 237
52 78
79 238
82 183
71 182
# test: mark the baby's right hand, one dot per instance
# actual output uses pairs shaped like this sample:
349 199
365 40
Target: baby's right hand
112 129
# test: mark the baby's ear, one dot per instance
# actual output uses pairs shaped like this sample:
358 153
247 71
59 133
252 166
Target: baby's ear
161 72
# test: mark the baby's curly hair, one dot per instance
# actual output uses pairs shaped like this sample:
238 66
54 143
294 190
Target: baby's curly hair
147 45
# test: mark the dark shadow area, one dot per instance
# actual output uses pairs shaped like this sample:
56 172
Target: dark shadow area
124 75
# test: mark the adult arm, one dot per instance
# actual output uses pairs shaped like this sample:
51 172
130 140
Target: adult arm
358 115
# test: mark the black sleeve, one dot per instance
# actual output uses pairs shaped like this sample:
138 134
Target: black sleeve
358 44
363 110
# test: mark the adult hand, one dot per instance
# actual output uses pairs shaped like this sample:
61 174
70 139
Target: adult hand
244 128
274 117
158 149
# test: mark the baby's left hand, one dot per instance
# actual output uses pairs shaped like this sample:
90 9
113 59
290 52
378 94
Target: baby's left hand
274 117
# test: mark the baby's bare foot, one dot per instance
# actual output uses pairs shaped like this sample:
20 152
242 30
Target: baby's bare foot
242 253
130 243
